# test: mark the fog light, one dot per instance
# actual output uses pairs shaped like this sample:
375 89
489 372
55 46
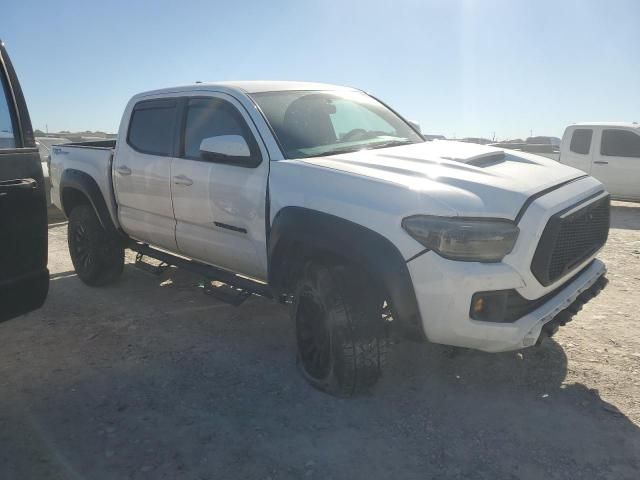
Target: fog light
489 306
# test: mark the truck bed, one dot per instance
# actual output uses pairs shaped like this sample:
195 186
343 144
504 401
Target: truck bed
92 158
93 144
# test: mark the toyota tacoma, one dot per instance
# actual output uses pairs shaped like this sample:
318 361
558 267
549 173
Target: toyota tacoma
325 198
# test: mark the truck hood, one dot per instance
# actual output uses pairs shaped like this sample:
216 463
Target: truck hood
472 180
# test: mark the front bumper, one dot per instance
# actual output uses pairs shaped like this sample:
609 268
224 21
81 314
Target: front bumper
444 290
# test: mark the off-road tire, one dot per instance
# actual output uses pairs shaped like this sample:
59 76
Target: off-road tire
97 255
340 304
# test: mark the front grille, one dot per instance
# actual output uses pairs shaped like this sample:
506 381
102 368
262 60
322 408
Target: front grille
569 239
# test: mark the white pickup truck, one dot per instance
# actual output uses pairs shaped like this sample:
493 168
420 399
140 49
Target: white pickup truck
609 152
325 198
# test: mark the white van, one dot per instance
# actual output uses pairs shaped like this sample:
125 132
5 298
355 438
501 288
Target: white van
609 152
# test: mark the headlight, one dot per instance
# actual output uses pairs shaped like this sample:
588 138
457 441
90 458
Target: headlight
471 240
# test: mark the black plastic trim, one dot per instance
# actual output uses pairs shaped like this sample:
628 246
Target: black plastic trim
541 193
94 144
566 315
298 234
85 184
230 227
420 253
232 160
515 305
542 256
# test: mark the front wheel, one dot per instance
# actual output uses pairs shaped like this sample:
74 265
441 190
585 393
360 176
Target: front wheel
340 331
97 255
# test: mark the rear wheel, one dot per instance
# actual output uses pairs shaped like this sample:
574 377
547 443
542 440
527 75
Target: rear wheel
97 255
340 331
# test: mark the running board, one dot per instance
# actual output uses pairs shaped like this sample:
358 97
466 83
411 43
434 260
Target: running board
226 293
207 271
156 270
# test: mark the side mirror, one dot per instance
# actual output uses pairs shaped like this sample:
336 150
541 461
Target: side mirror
229 149
416 126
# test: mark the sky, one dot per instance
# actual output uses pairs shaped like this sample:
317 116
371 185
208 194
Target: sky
507 68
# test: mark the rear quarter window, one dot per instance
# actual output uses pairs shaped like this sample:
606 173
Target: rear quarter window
152 127
581 141
620 143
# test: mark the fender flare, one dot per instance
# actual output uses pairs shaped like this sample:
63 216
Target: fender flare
85 184
298 233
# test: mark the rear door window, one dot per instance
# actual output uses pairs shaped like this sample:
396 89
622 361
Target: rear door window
152 127
620 143
581 141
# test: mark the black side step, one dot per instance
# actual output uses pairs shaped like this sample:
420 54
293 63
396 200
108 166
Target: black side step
226 293
156 270
211 273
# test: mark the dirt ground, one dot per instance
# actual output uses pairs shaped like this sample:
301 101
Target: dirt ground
150 378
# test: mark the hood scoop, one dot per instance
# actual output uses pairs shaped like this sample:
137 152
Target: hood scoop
483 160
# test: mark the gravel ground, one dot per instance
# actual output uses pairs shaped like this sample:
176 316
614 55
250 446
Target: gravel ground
149 378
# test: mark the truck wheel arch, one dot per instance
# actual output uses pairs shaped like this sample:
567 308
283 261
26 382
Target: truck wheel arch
299 233
76 188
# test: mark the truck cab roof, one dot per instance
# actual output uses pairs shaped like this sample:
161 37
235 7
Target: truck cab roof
250 86
635 125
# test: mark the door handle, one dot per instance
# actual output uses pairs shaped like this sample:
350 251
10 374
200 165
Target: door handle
20 184
600 162
123 170
182 180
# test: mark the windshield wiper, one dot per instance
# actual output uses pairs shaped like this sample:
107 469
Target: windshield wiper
392 143
337 151
366 146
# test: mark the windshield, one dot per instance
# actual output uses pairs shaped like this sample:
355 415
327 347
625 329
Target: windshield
317 123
